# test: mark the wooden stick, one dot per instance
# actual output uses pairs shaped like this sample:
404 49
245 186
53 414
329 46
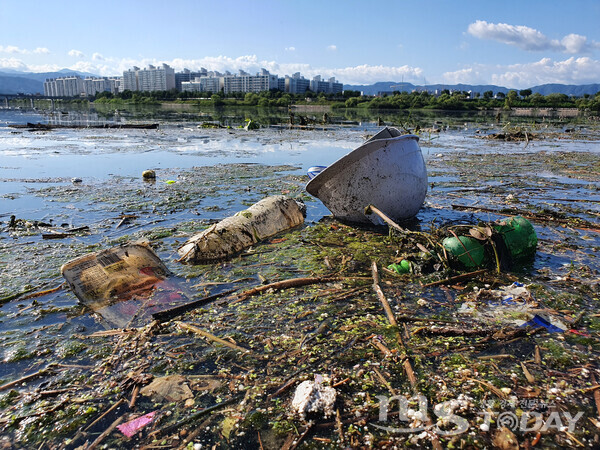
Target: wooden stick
10 384
294 282
134 394
491 387
296 442
538 356
339 383
108 411
169 314
42 293
104 434
385 382
386 351
390 315
528 374
212 337
462 277
372 209
386 305
170 428
340 429
192 435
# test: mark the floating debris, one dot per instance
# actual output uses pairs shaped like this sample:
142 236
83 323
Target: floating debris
313 397
125 285
231 235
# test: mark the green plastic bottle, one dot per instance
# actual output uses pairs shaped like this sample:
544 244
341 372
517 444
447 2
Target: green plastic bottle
519 237
468 251
402 267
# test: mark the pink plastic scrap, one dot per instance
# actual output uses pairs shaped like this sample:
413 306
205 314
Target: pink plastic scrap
133 426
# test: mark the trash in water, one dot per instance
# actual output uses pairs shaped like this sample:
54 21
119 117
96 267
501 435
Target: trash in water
388 171
269 216
313 397
149 174
251 125
314 171
468 251
512 305
401 267
133 426
502 243
550 323
125 285
172 388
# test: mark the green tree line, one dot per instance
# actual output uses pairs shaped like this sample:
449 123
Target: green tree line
458 100
463 101
272 98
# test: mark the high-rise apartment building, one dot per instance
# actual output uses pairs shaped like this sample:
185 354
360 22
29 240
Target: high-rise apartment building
63 87
296 84
328 87
150 79
75 86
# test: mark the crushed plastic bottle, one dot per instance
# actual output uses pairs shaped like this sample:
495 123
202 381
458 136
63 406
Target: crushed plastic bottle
401 267
514 239
467 251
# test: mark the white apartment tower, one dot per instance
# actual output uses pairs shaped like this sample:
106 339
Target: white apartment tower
63 87
150 79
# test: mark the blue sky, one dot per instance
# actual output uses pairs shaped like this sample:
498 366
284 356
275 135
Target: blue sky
516 44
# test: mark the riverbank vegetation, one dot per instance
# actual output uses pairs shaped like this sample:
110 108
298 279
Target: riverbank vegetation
446 100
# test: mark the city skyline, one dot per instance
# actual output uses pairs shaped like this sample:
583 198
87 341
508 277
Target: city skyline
519 44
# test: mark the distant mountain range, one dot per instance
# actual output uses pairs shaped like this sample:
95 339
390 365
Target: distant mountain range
544 89
15 82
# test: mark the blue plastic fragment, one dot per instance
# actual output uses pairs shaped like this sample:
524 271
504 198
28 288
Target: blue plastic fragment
539 321
315 170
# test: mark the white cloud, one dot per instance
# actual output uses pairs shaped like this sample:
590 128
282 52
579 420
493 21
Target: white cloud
366 74
11 49
13 63
582 70
573 70
574 43
469 75
528 38
22 51
332 47
76 53
97 57
290 49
